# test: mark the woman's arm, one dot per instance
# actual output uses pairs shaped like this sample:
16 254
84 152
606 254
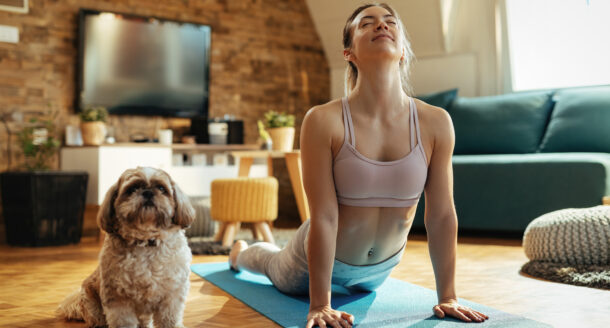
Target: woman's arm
316 157
441 218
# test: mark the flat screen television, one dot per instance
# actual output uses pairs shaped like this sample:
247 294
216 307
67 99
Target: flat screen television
142 65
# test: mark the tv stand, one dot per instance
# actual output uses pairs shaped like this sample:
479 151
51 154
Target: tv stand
106 163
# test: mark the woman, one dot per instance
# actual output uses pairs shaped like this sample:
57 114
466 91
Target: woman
363 195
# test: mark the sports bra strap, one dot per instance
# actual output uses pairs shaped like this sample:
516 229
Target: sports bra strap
416 123
347 122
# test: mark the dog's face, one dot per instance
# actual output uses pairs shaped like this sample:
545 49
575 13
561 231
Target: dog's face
143 204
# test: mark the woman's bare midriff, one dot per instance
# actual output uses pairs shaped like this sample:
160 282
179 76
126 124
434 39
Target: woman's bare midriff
370 235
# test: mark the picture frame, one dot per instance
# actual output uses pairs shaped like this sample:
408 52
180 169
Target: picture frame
16 6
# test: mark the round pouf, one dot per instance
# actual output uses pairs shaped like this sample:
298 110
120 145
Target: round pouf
237 200
570 236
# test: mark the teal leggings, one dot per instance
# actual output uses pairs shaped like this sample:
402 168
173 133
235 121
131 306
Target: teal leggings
287 268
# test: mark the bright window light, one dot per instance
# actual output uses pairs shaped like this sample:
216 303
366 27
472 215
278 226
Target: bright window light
556 44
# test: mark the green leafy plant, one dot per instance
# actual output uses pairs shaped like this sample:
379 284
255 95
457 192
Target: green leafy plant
262 132
274 119
38 142
94 114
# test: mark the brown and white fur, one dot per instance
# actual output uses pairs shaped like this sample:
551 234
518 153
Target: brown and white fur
143 271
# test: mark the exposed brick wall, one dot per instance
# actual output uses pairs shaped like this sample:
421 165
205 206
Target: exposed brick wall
265 55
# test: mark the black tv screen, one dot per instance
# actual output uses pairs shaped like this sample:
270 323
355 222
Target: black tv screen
142 65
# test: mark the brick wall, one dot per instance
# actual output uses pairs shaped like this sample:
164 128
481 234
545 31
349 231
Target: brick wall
265 55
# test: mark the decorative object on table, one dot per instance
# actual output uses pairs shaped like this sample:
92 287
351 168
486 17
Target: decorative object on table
220 159
93 125
189 140
218 132
42 207
199 160
238 200
267 143
280 127
73 136
570 246
165 137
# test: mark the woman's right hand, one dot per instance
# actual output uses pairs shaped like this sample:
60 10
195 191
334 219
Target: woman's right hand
325 316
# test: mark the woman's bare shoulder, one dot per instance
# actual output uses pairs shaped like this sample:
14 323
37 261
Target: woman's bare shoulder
435 118
325 117
436 125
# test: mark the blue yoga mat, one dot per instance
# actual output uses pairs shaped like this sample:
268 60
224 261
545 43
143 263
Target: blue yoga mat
394 304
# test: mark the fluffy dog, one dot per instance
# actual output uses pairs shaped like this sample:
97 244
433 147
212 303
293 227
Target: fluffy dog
143 274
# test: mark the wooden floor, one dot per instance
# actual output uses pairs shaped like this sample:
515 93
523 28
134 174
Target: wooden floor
34 280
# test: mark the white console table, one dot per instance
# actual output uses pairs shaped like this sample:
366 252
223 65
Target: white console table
107 162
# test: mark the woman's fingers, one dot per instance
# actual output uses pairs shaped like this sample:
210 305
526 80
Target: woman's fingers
454 312
438 312
481 314
321 323
310 323
348 317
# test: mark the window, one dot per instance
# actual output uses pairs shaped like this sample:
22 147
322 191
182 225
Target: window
555 44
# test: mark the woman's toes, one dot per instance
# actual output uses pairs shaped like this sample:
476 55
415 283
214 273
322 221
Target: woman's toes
239 246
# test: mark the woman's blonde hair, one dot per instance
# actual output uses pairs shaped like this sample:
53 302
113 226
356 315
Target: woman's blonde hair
351 71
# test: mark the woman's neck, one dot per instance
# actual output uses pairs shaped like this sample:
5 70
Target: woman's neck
379 88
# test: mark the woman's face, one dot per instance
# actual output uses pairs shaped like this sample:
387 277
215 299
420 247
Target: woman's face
375 35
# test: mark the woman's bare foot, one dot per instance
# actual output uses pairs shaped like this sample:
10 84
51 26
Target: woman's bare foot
239 246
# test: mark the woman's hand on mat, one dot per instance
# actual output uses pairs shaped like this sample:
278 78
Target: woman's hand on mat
453 309
324 316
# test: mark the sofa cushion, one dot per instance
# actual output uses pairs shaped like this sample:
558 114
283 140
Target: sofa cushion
505 192
442 99
580 121
506 124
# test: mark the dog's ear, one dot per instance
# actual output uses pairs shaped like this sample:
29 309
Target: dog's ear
184 214
106 217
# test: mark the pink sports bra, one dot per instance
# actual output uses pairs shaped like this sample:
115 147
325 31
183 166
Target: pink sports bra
361 181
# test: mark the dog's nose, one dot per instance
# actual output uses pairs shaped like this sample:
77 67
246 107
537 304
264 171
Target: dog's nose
148 194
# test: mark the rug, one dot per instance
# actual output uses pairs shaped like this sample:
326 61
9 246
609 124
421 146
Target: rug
582 275
207 245
394 304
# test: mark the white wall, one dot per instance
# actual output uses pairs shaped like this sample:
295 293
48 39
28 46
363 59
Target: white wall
454 43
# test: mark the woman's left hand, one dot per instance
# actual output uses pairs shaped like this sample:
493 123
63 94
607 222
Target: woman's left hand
453 309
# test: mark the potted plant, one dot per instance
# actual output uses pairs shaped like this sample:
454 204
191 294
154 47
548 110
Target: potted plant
280 127
42 207
93 125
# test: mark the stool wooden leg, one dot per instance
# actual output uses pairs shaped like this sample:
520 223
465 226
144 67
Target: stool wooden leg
230 231
256 233
263 227
221 231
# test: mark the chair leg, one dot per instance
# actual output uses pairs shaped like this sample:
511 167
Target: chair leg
230 232
221 231
256 233
263 227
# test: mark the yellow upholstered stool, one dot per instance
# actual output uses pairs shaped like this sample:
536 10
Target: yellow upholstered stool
238 200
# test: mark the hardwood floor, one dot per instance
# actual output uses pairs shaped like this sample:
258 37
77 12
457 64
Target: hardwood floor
34 280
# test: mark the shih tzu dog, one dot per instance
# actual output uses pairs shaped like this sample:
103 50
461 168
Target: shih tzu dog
143 274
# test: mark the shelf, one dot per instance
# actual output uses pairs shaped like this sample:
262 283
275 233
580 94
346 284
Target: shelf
208 147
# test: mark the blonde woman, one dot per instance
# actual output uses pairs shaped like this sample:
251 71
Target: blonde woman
366 160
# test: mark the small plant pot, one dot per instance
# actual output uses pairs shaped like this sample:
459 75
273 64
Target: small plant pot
282 138
93 133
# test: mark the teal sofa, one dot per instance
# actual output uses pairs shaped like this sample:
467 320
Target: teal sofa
521 155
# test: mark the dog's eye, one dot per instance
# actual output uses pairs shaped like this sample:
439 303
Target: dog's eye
131 190
162 189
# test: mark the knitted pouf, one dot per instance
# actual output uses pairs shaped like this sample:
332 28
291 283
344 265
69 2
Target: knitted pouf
570 236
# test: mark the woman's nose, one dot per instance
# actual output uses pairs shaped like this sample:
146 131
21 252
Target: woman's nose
382 25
